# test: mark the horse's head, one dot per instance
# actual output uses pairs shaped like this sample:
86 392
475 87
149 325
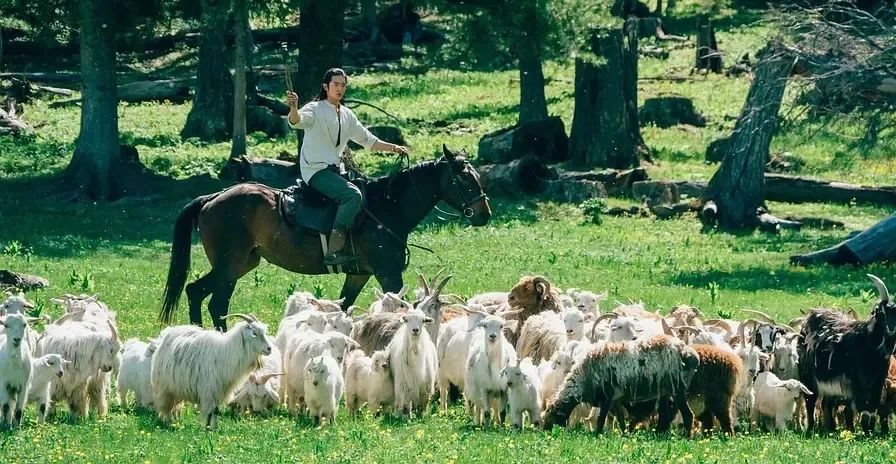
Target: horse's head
462 190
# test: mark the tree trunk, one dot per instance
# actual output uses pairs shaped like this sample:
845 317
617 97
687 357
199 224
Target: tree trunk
533 106
211 116
875 244
738 187
368 12
605 130
240 50
320 43
96 154
708 55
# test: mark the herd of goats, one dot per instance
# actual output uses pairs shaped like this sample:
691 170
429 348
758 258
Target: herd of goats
533 354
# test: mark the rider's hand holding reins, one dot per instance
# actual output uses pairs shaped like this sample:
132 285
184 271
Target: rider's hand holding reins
292 99
401 150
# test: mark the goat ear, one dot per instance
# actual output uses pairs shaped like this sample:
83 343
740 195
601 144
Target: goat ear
805 389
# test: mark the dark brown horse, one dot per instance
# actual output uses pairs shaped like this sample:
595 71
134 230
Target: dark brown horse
241 225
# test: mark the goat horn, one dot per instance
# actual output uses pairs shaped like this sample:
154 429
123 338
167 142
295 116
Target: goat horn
422 280
66 317
786 328
762 316
264 379
688 328
797 321
720 322
114 330
597 321
881 288
509 312
239 315
666 329
473 311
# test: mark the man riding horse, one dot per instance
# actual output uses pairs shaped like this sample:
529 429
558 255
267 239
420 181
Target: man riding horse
328 127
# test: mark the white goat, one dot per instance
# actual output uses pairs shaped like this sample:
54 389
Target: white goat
134 375
414 363
15 369
205 366
453 347
523 392
93 353
44 370
323 387
15 304
390 302
776 400
368 379
490 353
259 393
307 347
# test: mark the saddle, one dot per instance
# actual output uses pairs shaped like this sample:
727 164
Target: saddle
302 206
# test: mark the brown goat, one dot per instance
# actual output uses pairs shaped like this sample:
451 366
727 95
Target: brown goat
888 399
715 385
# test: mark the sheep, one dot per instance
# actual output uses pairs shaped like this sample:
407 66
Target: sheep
376 331
15 369
390 302
15 304
294 361
542 335
650 369
488 299
44 370
523 392
259 393
368 379
205 366
843 358
776 400
136 362
489 354
93 353
414 363
714 386
323 387
532 295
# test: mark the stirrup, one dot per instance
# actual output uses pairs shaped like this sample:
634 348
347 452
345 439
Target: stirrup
340 258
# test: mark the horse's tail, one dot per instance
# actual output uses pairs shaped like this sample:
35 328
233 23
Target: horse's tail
180 255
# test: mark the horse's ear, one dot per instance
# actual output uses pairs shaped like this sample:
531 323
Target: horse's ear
449 155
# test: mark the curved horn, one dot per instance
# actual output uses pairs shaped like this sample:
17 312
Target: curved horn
438 289
881 288
541 280
666 328
797 322
473 311
239 315
722 323
786 328
66 317
597 321
762 316
114 330
421 281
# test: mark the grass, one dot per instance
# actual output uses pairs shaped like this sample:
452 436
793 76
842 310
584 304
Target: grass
120 250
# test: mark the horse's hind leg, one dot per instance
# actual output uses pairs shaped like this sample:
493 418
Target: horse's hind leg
220 302
196 294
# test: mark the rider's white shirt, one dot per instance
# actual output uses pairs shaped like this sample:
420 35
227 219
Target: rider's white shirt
319 145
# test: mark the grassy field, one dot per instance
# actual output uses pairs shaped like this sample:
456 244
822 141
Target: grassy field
120 250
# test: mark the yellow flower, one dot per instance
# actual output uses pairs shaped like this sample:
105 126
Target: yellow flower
420 433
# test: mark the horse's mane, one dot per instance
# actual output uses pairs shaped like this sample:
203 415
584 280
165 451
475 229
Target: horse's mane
396 183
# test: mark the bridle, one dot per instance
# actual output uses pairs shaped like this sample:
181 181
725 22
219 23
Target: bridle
466 204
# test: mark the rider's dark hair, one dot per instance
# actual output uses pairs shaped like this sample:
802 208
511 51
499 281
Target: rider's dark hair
328 76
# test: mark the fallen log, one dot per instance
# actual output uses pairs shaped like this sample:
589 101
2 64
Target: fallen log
524 176
875 244
22 281
56 78
573 191
656 193
618 182
792 189
172 90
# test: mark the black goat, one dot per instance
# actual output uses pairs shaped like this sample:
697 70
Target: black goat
845 359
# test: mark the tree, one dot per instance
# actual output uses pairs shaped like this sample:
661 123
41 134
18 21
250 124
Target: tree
240 52
737 189
321 27
533 106
605 130
211 117
96 156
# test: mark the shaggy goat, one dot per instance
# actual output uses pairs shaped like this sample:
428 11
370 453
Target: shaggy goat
205 366
658 368
414 363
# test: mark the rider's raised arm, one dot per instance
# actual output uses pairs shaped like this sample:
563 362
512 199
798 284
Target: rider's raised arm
306 117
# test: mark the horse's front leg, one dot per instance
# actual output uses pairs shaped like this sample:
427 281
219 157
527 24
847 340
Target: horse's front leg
352 287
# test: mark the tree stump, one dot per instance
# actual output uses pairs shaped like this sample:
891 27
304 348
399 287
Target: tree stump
738 187
573 191
617 182
545 139
708 55
670 111
605 129
656 192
